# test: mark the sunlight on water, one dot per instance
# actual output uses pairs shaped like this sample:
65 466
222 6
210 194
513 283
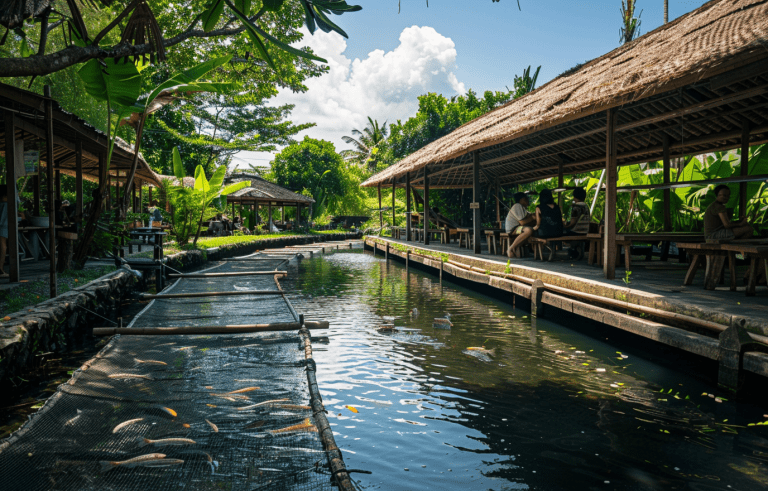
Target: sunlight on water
500 401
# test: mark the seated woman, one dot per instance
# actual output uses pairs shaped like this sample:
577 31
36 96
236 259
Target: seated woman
549 218
717 224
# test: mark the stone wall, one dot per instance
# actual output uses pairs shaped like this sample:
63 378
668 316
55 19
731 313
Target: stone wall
60 323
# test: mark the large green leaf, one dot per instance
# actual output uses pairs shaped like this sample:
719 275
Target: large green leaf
218 177
188 77
631 175
232 188
118 83
212 14
201 183
178 167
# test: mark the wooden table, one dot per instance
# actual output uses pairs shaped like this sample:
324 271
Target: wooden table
715 253
628 240
152 237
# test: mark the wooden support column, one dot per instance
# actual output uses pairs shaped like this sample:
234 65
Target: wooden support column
51 208
476 201
133 198
408 206
79 180
102 173
425 215
269 217
560 183
141 198
12 243
381 213
498 202
58 184
667 191
393 207
744 168
282 214
36 182
611 176
149 196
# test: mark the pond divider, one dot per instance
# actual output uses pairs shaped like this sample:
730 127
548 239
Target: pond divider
734 348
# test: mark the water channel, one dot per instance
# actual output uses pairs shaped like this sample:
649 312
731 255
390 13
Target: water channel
550 407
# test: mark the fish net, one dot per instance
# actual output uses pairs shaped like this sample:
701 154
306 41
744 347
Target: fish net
184 396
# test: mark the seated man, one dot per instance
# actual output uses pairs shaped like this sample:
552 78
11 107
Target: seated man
717 224
519 221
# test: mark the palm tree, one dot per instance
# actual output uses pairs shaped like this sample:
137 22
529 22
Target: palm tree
366 145
630 28
666 11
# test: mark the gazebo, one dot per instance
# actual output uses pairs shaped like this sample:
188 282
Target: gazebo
36 131
265 193
695 85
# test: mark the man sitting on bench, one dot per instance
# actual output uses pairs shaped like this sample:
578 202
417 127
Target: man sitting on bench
519 221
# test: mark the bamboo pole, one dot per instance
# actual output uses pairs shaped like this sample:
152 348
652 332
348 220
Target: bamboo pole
408 233
210 294
425 214
234 329
219 275
475 201
266 256
611 171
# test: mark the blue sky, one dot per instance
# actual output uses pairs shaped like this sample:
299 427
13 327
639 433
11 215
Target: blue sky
448 47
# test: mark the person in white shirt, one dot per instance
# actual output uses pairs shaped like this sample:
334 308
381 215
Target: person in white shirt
519 221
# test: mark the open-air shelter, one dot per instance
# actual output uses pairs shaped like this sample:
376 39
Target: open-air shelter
695 85
263 193
44 133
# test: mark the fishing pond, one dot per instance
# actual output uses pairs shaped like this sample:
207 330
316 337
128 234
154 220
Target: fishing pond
536 405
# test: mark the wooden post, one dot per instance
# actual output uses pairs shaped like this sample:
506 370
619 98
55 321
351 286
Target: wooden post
381 213
149 195
476 200
102 173
498 203
282 214
12 242
408 206
560 184
269 216
393 207
79 180
611 176
36 182
141 198
426 206
50 191
667 191
744 168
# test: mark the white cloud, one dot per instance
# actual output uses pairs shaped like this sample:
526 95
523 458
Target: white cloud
384 86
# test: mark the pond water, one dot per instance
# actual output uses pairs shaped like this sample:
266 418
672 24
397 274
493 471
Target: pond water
547 408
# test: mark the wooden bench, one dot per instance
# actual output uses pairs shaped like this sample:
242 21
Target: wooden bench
628 240
538 243
490 238
714 255
595 255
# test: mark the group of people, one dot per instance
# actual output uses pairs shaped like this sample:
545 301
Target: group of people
547 221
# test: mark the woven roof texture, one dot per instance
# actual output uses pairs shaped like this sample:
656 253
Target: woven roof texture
263 190
718 37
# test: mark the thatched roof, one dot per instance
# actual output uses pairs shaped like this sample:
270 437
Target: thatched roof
696 81
68 129
263 191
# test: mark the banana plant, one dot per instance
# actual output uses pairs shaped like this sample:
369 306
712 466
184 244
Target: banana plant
204 197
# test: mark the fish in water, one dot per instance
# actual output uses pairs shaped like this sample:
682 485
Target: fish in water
442 322
292 406
147 460
166 441
305 426
241 391
265 403
255 424
130 375
480 355
232 397
213 426
126 423
169 411
75 419
482 349
152 362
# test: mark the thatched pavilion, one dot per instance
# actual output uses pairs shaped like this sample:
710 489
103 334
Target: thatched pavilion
695 85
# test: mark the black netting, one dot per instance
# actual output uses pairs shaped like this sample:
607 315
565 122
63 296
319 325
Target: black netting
189 387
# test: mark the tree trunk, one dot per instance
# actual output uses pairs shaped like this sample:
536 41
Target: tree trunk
134 165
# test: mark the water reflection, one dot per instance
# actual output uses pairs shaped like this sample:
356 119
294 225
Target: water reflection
546 408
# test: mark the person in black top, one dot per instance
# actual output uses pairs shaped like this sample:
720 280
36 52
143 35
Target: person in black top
549 218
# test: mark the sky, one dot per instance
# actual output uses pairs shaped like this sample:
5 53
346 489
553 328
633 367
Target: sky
391 58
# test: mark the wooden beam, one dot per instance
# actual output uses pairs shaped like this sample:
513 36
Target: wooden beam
50 191
476 201
381 213
159 331
57 140
12 242
611 174
744 166
408 235
667 192
425 215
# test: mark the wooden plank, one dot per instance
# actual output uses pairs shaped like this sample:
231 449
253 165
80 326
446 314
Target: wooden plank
223 275
611 174
237 293
233 329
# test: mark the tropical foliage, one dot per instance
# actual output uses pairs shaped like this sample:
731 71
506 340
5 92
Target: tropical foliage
193 205
366 145
630 25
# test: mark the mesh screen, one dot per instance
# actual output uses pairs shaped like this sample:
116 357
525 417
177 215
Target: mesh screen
182 387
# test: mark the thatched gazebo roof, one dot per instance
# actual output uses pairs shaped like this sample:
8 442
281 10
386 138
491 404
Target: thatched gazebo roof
699 81
263 191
